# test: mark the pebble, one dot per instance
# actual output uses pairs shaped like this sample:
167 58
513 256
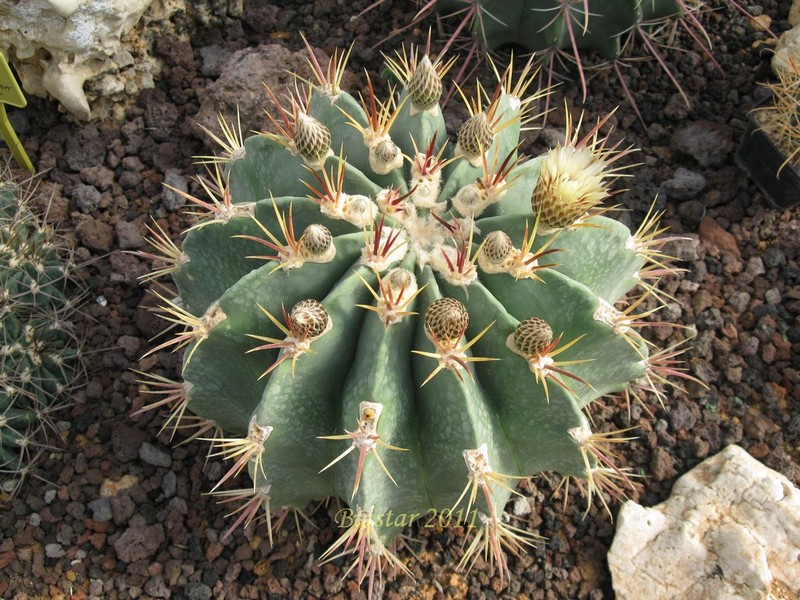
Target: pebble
172 200
87 198
748 344
169 484
681 418
773 296
661 464
154 456
101 509
739 301
196 590
552 137
774 256
685 184
156 587
686 248
692 211
54 550
128 235
708 143
755 266
125 441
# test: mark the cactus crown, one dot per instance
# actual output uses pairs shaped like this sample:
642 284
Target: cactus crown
432 335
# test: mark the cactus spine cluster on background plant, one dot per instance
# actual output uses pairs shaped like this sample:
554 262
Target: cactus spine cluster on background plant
374 313
40 358
585 33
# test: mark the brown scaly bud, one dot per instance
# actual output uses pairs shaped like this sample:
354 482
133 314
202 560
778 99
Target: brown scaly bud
309 318
316 243
446 321
533 336
475 137
497 247
425 85
312 139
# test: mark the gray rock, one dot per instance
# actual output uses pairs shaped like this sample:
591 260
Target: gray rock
739 301
54 550
552 137
87 197
169 484
128 235
195 590
708 143
773 296
685 184
755 266
86 149
173 201
688 248
748 344
156 587
154 456
101 509
774 256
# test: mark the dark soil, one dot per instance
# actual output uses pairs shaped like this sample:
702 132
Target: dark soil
115 512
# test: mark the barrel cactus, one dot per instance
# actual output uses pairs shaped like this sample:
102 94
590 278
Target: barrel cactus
371 312
39 353
539 25
570 31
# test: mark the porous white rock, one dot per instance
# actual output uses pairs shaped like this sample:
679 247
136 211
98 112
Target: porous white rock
729 530
56 45
787 51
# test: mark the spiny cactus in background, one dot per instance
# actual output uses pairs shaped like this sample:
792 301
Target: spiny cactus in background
586 33
374 313
40 360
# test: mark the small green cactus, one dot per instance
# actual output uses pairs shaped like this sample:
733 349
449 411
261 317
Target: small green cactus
40 359
372 313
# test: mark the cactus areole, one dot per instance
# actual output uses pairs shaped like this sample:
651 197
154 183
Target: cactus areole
410 324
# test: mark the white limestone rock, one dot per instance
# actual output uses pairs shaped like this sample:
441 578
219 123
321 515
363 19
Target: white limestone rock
730 529
56 45
787 51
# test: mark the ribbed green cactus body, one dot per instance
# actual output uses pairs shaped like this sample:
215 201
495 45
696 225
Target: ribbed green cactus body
39 357
430 422
539 25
